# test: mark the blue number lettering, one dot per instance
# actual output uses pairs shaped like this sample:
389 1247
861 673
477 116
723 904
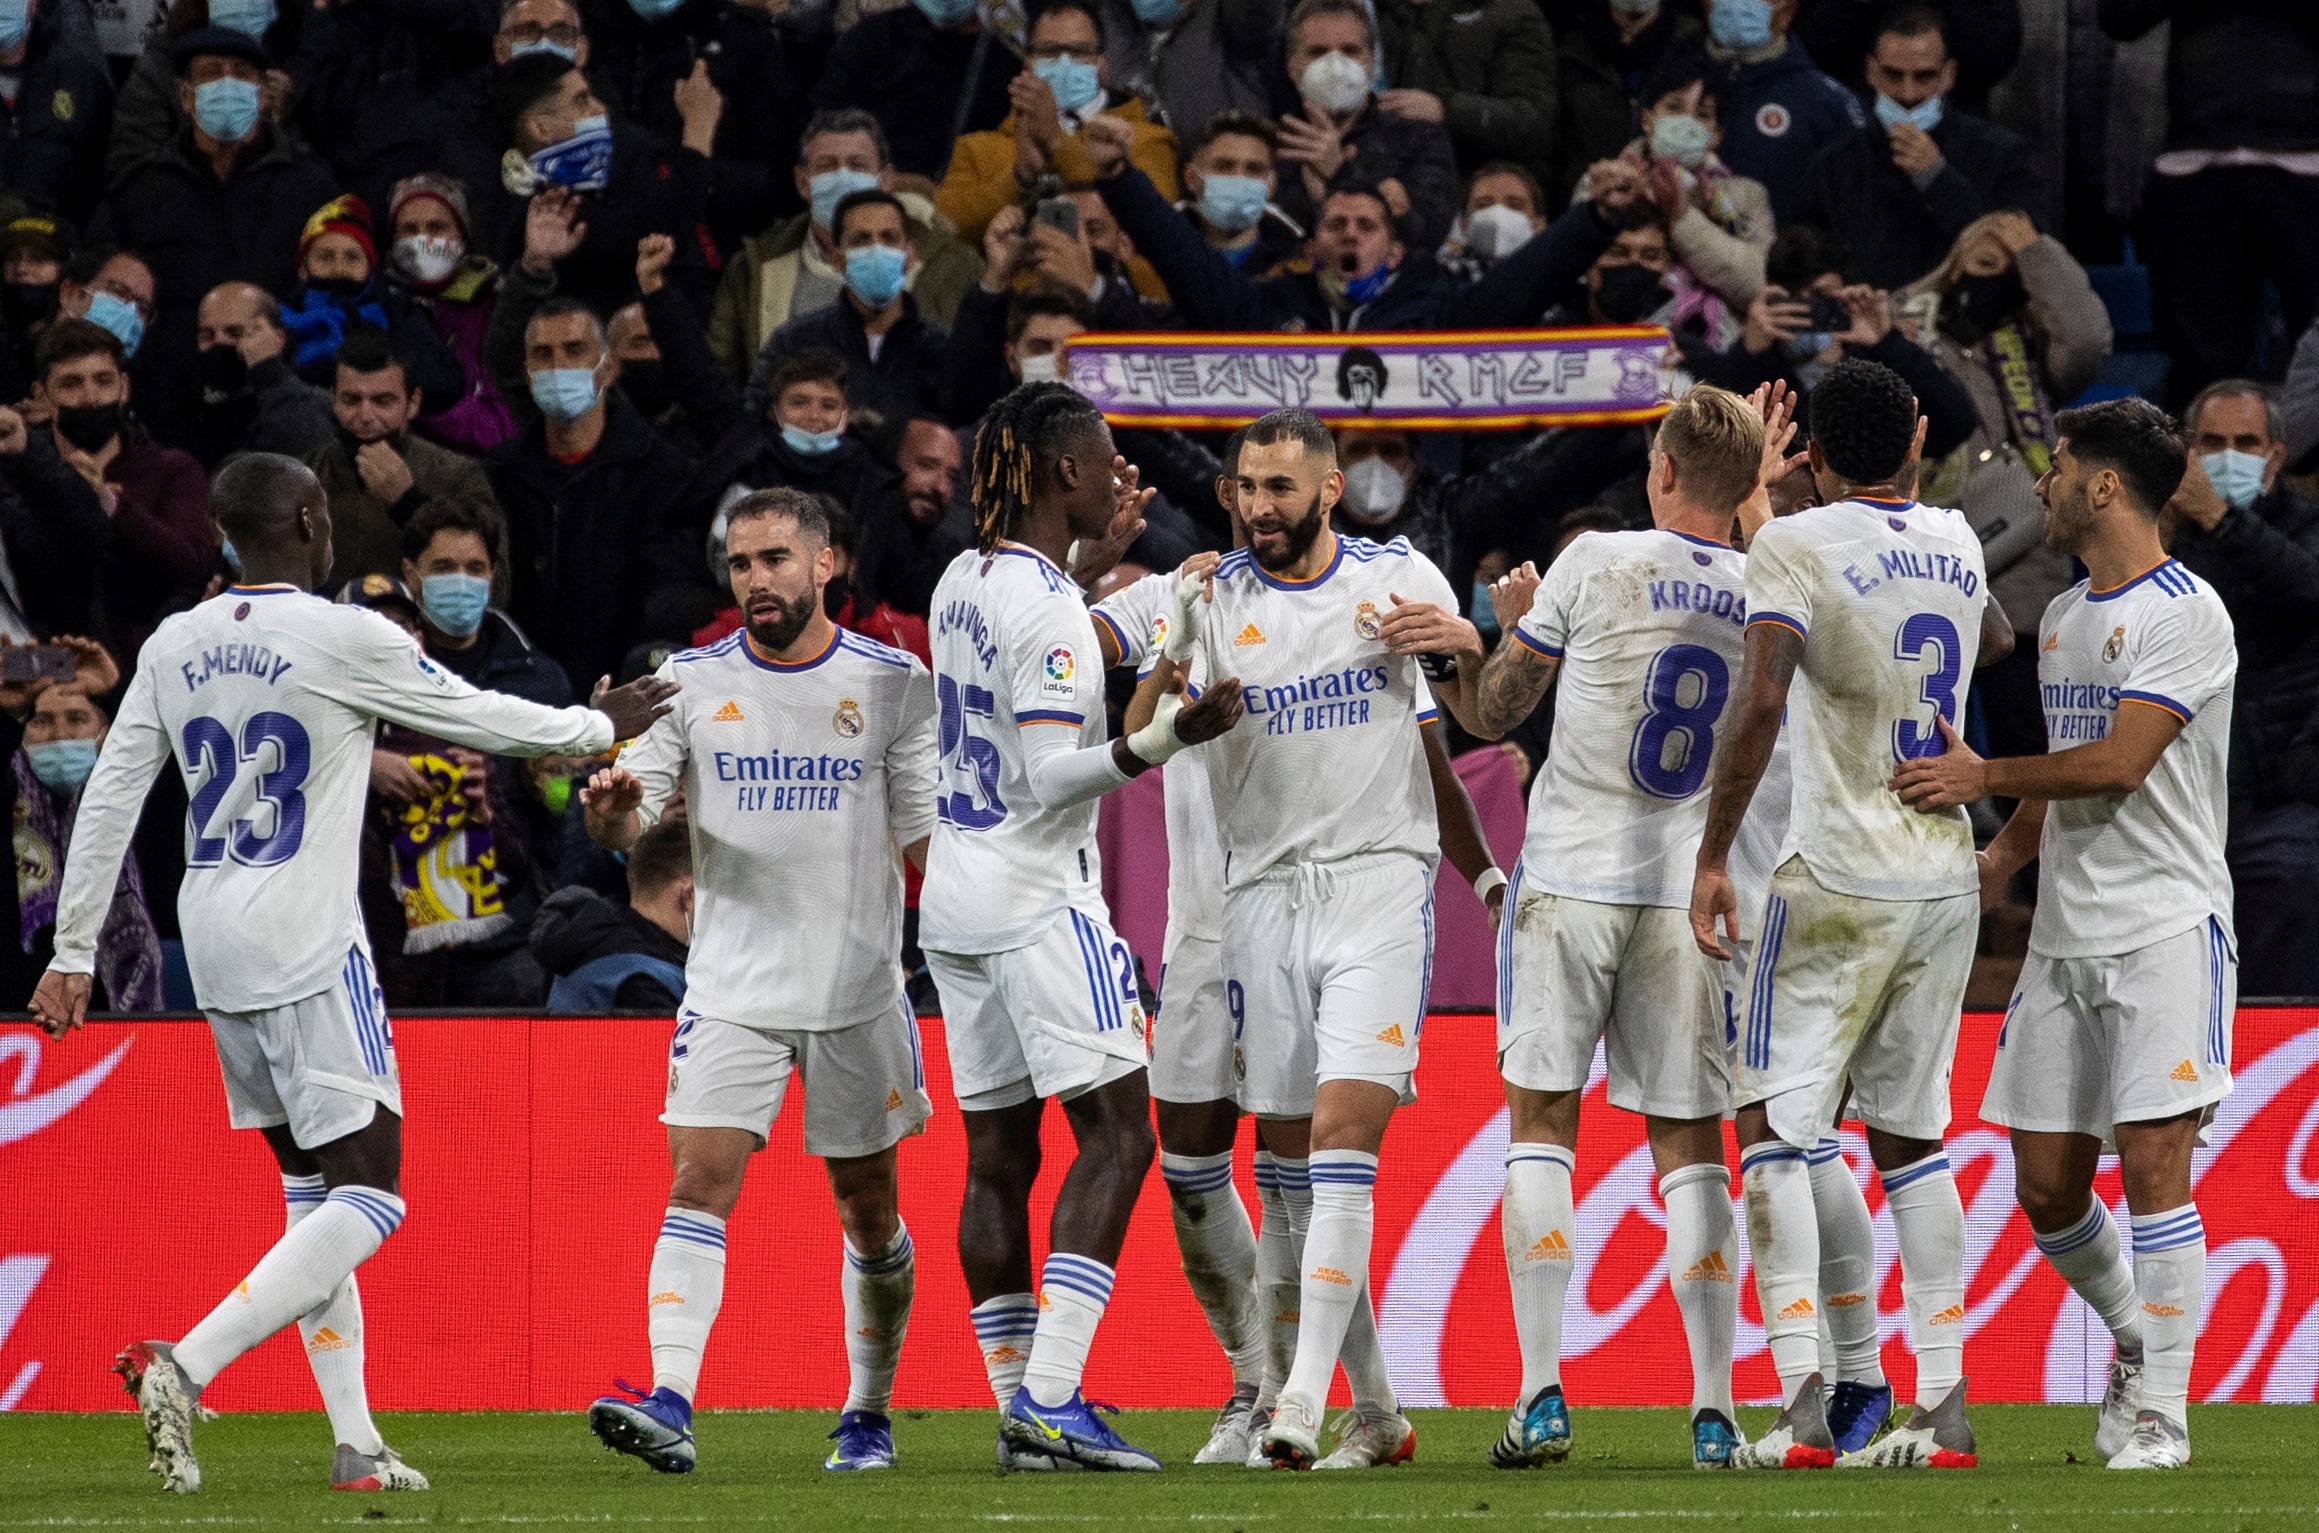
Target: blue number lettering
209 749
1912 738
282 769
1676 739
970 764
1236 1002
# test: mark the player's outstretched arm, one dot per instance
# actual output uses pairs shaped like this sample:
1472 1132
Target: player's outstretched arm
111 804
386 676
1773 652
609 805
2109 768
1460 825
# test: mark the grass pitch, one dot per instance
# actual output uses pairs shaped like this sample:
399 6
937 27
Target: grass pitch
1630 1468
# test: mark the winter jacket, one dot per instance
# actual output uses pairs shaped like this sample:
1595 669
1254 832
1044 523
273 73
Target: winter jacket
1417 154
980 182
475 419
1897 228
656 187
1780 113
159 550
2239 73
1984 37
1599 76
366 532
2263 562
52 139
503 659
1216 57
49 524
897 66
1492 64
605 957
277 412
905 379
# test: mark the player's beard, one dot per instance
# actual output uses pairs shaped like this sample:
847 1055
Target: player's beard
780 631
2068 519
1298 538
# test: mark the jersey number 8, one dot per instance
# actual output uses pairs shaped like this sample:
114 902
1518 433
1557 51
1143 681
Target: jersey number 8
210 750
1683 699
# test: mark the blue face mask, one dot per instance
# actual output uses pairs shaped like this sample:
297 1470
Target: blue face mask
2236 476
455 603
945 13
1924 116
1073 82
62 765
1361 289
1158 13
1485 616
656 10
110 311
1740 24
227 109
15 21
564 394
810 444
542 45
874 273
1232 203
832 187
251 18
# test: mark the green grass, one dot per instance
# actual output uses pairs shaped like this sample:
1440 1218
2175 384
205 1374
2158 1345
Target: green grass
761 1470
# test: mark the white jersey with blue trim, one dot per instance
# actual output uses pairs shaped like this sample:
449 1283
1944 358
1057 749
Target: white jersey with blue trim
2124 871
802 783
1887 596
1327 764
269 698
1014 649
1649 628
1755 850
1137 619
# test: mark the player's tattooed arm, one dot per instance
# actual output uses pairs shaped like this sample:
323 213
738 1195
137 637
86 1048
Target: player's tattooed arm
1773 652
1512 681
1996 632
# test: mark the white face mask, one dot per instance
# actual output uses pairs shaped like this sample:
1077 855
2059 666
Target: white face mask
1497 231
429 258
1044 367
1334 83
1374 490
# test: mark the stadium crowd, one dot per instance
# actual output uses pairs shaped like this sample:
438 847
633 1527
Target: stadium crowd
538 290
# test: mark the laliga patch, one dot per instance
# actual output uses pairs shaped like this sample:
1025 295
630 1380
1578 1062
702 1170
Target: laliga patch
433 672
1059 680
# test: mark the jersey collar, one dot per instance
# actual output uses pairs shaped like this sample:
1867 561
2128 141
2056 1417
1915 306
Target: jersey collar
762 662
2116 591
1702 542
270 590
1283 583
1025 551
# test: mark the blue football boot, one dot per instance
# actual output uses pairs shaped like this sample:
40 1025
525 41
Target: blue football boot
655 1426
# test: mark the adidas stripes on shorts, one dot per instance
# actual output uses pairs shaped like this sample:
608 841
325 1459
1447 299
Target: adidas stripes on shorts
323 1065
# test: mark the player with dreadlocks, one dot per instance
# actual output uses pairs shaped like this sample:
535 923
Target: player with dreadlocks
1038 995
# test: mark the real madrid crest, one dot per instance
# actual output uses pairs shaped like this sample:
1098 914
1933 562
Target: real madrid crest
1366 623
847 721
2117 644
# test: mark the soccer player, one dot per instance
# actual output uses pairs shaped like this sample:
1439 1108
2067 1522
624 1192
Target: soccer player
1881 606
269 697
1040 998
806 758
1644 631
2119 1031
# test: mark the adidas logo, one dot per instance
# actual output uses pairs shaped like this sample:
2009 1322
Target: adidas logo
1711 1268
1004 1354
2052 643
663 1297
1288 1317
2163 1311
2185 1071
1550 1247
875 1332
728 714
1249 635
893 1099
1953 1315
326 1340
1393 1036
242 1290
1044 1301
1800 1310
1846 1300
1334 1275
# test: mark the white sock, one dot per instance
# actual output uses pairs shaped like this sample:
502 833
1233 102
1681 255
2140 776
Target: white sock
1363 1355
1847 1269
300 1274
2170 1274
1783 1240
878 1289
1540 1230
1073 1292
333 1335
1218 1247
2088 1259
687 1288
1336 1266
1930 1221
1703 1269
1276 1280
1003 1328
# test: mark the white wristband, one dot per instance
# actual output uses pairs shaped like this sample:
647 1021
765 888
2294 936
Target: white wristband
1158 740
1490 881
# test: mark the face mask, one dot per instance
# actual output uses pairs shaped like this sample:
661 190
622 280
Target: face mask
1073 82
564 394
1046 367
227 110
1485 616
1158 13
455 603
1497 231
251 18
429 259
1628 293
1740 24
645 382
945 13
656 10
1334 83
1924 116
568 54
62 765
344 289
832 187
810 444
2236 476
27 303
581 163
221 372
1682 138
874 273
1232 203
1374 490
1811 343
555 795
90 427
15 21
112 312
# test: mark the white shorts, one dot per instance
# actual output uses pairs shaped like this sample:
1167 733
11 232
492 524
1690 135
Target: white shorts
865 1085
2088 1043
1571 972
1195 1044
1327 967
1059 1017
1847 986
323 1065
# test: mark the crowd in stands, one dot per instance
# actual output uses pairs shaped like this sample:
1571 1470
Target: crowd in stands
537 288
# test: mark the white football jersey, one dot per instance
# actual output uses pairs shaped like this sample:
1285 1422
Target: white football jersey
1137 617
1755 851
1014 649
2121 873
269 699
1649 627
802 782
1327 763
1888 597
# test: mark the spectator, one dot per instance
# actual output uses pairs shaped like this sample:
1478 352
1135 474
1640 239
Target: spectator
33 250
1627 284
1194 58
1004 338
1500 215
1782 110
1984 36
148 115
55 118
1230 183
927 71
1718 224
1061 85
111 289
906 539
50 528
795 268
848 600
551 27
436 271
376 473
1391 492
1604 54
1334 119
2244 531
452 555
250 400
2299 402
339 286
608 958
1901 189
1486 73
892 354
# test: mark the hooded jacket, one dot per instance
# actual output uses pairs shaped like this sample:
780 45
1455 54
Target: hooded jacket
605 957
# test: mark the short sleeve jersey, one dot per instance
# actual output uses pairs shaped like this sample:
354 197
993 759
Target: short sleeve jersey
1887 596
1137 619
2122 872
1649 628
802 782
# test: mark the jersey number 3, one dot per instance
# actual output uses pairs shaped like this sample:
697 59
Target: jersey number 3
275 748
1683 699
1938 689
967 760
